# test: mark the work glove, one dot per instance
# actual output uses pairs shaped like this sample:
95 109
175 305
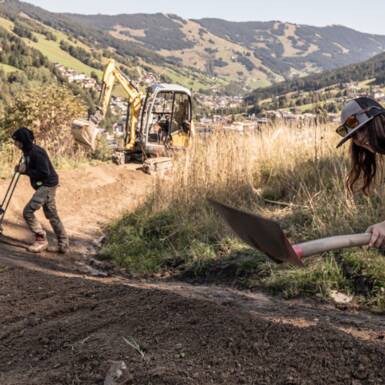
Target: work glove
21 168
378 235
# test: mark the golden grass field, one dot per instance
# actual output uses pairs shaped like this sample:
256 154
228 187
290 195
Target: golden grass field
299 166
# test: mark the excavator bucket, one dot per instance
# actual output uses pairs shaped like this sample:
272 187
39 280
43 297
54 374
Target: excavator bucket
85 132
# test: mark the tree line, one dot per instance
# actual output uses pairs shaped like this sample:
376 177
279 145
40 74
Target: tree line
373 68
92 60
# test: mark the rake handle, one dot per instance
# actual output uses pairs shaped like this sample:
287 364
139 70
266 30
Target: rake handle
9 193
307 249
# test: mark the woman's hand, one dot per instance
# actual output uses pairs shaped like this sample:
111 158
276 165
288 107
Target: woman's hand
378 235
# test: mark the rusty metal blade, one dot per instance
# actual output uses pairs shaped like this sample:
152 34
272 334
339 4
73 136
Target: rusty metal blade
260 233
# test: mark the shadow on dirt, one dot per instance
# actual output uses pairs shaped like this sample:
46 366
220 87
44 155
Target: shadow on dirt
59 330
13 251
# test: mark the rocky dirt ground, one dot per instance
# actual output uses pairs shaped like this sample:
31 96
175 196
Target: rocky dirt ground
60 325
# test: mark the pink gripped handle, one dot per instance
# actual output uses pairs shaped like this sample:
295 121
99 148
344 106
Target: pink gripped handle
297 249
318 246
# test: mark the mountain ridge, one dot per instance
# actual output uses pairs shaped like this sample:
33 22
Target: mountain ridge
277 50
212 52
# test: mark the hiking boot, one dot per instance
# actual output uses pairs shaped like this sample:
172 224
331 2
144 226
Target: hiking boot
40 244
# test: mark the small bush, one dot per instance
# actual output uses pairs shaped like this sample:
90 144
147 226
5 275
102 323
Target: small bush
49 112
103 150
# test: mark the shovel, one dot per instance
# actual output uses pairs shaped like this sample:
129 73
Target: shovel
267 236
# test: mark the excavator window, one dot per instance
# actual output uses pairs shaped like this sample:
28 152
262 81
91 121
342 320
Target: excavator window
159 129
171 113
181 117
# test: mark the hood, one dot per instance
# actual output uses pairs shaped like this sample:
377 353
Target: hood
24 136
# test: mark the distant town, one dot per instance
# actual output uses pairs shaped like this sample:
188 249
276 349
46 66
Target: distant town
231 112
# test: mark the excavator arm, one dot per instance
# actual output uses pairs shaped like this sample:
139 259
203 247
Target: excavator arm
134 98
85 131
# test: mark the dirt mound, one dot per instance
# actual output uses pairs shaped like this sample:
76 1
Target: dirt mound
59 330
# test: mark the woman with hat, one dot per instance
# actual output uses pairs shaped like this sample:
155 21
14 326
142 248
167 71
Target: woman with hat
363 121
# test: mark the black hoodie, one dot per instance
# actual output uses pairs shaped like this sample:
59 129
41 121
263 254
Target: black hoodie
39 166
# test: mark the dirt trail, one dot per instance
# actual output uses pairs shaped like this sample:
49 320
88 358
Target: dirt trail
59 326
87 199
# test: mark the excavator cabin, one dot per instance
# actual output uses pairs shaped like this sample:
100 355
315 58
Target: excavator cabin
166 118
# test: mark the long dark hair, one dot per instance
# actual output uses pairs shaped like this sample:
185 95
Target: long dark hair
364 162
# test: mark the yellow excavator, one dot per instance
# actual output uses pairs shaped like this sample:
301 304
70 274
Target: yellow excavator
158 121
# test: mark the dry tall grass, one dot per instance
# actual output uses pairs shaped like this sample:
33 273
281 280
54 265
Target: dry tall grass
279 172
72 158
9 156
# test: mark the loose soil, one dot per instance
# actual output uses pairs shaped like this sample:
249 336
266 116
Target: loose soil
62 326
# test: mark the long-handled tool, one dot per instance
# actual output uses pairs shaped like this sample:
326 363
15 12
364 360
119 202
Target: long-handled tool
8 196
267 236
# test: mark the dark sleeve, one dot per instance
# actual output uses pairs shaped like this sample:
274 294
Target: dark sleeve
39 166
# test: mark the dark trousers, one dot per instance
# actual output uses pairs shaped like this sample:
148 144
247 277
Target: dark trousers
45 197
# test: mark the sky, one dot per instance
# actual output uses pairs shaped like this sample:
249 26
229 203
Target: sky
365 16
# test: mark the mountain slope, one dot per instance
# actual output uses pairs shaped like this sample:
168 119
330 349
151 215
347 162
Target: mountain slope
372 69
266 50
201 54
101 46
294 45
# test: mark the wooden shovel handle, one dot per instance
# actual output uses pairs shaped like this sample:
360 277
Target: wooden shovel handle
318 246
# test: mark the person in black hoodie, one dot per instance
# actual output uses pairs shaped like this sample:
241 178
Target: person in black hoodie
45 181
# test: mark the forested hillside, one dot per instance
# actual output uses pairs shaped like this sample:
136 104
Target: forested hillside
101 44
371 69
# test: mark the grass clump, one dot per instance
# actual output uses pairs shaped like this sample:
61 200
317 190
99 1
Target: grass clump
317 278
366 274
146 242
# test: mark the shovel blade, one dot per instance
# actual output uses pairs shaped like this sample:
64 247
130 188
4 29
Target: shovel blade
260 233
